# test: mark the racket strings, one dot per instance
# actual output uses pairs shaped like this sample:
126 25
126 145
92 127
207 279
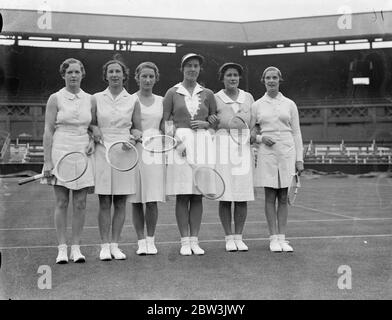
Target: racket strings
71 166
239 130
293 189
159 143
209 182
122 156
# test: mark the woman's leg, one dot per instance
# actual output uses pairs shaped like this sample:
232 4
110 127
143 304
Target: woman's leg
270 213
151 218
182 217
104 217
138 223
119 202
60 213
240 213
225 216
282 220
138 219
282 210
196 213
79 213
182 214
270 209
151 223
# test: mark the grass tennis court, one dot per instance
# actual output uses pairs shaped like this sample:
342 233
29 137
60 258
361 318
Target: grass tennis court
335 222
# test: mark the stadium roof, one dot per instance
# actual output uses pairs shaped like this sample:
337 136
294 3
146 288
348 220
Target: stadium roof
247 34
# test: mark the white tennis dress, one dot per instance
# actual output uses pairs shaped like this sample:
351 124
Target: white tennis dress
114 118
150 173
278 118
72 120
234 162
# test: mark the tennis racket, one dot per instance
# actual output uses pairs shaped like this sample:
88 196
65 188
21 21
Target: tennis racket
206 180
70 167
160 143
293 189
239 130
121 155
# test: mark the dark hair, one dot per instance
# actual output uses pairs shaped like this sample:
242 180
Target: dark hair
190 56
65 65
149 65
271 68
123 67
233 65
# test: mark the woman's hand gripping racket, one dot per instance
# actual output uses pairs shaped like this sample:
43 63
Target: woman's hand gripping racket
239 130
70 167
295 181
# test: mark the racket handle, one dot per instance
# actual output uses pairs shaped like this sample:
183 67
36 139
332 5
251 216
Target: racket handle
29 179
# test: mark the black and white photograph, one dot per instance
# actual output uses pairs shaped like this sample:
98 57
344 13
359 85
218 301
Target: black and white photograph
195 156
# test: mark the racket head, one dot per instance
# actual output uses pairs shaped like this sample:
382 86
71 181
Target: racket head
239 130
121 155
293 189
159 143
209 182
71 166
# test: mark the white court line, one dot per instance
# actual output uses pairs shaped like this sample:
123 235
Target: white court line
220 240
209 223
325 212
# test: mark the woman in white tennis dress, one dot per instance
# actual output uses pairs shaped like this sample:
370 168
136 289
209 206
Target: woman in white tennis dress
67 117
280 154
114 114
233 161
150 171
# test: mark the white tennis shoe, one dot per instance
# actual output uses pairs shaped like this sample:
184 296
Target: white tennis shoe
284 243
62 256
116 252
142 247
194 243
76 255
105 254
185 247
230 244
274 244
241 246
151 248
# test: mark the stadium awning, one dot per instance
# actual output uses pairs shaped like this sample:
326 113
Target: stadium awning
247 34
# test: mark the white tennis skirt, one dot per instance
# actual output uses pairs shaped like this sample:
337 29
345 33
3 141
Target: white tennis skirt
235 164
276 164
109 181
150 174
68 139
199 151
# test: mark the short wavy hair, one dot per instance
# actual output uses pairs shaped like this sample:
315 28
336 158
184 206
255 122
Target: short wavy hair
147 64
124 68
67 62
271 68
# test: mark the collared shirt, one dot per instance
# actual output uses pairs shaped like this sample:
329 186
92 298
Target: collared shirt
182 107
115 112
73 109
228 108
279 114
